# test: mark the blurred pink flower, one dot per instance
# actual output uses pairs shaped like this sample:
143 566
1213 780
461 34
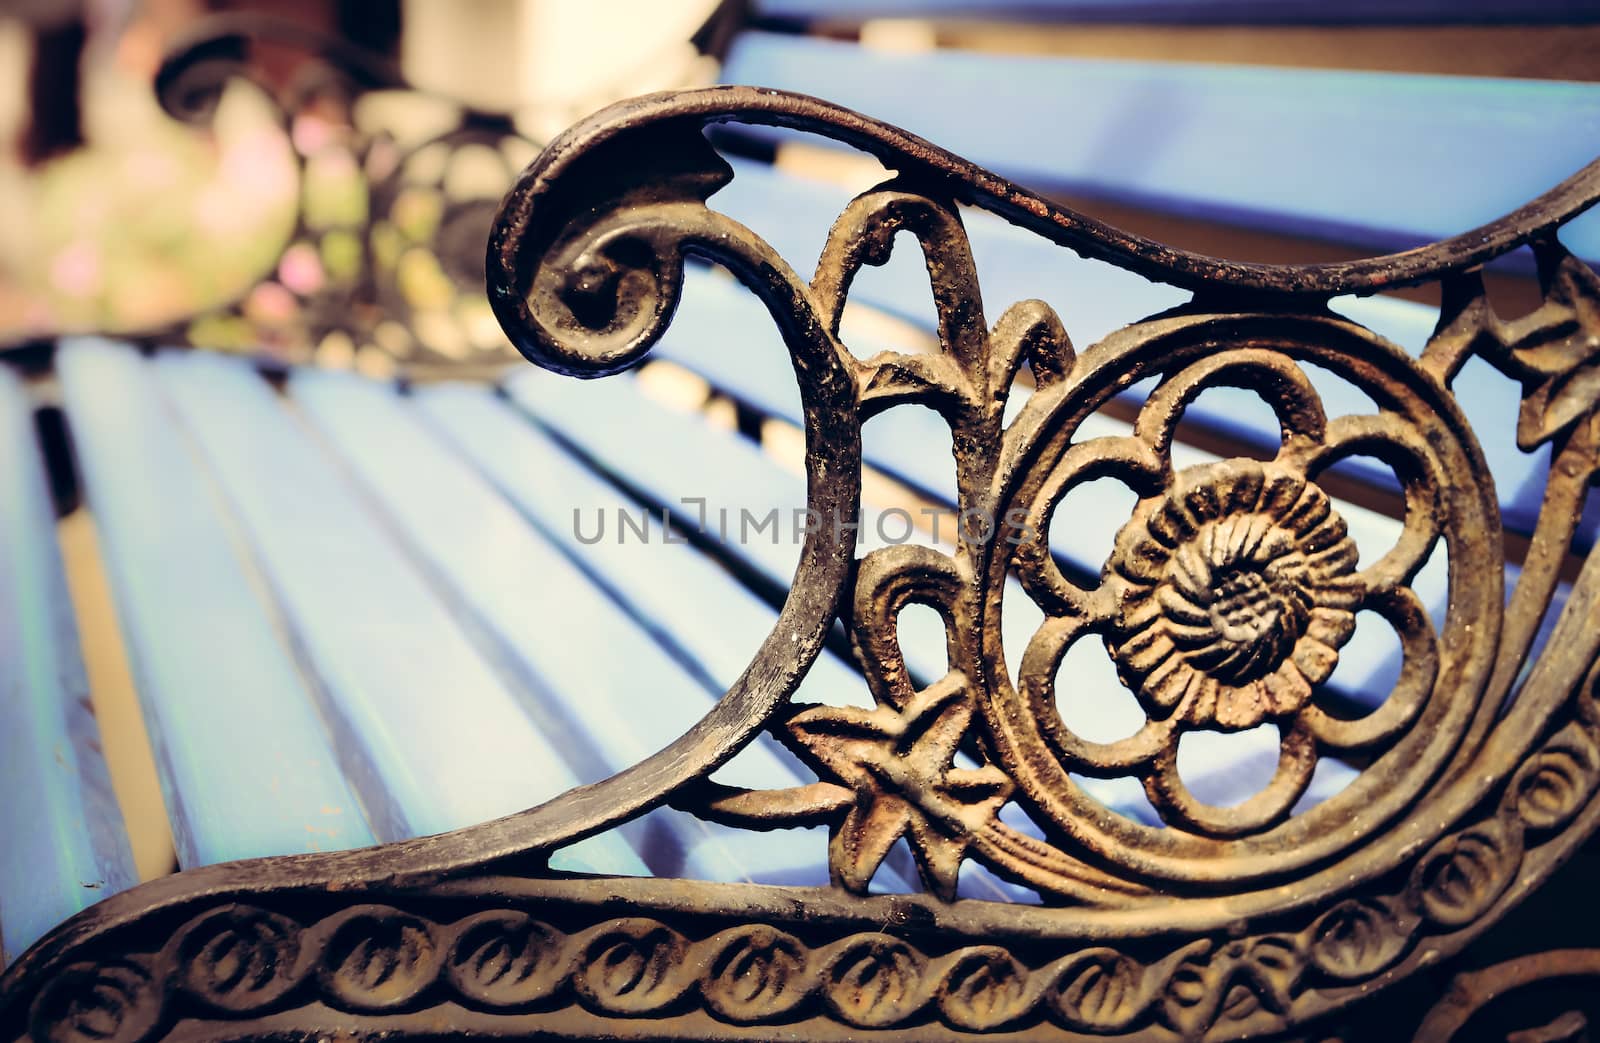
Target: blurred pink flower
257 165
77 269
270 303
301 269
311 134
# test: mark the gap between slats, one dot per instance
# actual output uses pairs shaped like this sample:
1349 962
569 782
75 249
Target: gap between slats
124 735
1544 52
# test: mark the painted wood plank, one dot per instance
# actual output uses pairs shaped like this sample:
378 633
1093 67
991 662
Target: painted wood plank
691 603
674 459
671 458
246 764
66 847
431 733
1383 160
606 686
563 497
1201 12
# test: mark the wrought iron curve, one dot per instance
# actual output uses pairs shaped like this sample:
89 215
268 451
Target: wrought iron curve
1225 603
674 119
1545 996
199 65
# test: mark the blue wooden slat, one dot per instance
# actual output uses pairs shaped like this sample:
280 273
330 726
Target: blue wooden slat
1185 12
695 604
596 668
1384 160
670 456
444 743
245 761
65 846
562 497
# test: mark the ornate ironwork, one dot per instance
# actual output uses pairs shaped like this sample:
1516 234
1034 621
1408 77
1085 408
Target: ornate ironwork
1227 598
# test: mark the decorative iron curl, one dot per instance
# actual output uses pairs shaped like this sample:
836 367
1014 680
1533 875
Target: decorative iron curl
586 269
1479 1004
634 128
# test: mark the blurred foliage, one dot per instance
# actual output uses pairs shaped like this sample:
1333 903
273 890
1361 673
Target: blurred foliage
152 220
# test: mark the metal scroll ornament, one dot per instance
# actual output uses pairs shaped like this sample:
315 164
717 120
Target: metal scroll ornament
1231 588
1225 603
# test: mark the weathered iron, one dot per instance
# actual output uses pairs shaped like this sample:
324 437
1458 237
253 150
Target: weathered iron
1548 997
1224 604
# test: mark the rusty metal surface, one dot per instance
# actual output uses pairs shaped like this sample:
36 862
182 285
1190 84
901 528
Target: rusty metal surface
1225 603
1548 997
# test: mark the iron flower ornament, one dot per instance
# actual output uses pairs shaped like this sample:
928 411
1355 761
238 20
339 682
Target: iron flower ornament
1239 592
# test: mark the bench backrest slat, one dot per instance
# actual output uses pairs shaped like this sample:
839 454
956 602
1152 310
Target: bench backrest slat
1382 160
690 602
563 497
584 659
431 732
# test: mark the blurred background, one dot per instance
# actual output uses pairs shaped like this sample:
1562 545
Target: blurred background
119 218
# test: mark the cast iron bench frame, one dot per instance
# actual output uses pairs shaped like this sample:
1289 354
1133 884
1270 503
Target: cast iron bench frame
1251 924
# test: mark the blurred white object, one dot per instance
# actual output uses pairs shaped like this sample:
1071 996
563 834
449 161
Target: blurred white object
553 58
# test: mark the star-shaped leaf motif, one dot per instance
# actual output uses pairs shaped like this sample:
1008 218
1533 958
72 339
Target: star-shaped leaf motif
1554 350
900 765
1561 351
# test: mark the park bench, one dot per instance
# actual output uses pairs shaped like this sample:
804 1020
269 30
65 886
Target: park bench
1252 677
